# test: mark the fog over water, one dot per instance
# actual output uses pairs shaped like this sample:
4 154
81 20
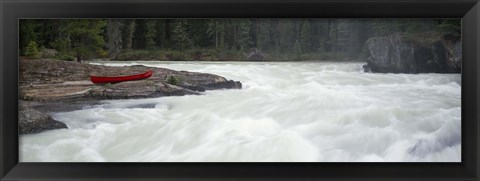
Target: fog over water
286 111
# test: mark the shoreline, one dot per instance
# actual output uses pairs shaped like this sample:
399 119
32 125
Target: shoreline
219 61
47 84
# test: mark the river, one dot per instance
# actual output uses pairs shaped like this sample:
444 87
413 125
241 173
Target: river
286 111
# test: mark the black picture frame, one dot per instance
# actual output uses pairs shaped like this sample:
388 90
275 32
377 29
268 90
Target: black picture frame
12 10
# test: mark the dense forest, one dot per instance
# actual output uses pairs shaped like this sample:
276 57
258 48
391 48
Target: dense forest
216 39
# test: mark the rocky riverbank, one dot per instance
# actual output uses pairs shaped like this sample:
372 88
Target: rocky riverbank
401 54
45 85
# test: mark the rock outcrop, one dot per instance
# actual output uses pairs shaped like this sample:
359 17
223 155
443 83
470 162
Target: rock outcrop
256 54
55 82
31 120
52 81
398 54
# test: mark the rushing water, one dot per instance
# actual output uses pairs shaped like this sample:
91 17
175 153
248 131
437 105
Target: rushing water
308 111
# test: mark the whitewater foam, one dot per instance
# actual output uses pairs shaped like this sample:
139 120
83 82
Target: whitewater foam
288 111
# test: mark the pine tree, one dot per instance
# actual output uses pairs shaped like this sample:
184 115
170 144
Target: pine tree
62 41
28 33
114 38
150 34
244 41
345 36
129 32
180 34
85 36
287 34
264 40
306 36
198 32
297 50
215 31
450 26
384 27
31 50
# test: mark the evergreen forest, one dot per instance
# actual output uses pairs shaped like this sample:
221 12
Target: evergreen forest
217 39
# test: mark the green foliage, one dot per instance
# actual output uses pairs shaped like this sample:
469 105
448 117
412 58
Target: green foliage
382 27
175 79
216 30
66 57
286 30
150 34
101 53
426 38
297 50
129 32
32 50
108 85
306 36
61 45
220 39
450 26
136 55
180 34
177 55
85 36
28 33
244 41
264 40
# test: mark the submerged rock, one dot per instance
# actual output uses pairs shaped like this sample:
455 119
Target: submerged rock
224 85
398 54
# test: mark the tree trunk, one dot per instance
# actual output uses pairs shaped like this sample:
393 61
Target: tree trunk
297 30
79 57
216 35
328 45
114 38
234 36
167 32
131 32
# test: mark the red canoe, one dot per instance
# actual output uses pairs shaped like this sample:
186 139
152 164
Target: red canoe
96 79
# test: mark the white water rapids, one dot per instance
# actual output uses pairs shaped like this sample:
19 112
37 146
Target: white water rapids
286 111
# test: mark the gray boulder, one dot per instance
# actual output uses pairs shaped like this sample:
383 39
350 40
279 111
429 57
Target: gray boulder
256 54
34 121
397 54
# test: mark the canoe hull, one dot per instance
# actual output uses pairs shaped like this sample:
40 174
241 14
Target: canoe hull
103 80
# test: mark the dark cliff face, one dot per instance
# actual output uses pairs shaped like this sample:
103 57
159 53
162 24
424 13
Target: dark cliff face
397 54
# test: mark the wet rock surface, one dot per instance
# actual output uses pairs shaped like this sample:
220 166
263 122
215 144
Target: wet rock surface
31 120
54 85
398 54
